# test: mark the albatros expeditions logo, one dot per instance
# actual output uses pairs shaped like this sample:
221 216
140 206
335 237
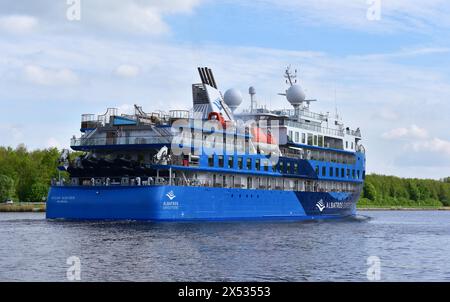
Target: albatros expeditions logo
172 204
171 195
320 205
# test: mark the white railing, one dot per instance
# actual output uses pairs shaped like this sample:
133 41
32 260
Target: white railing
304 113
280 184
132 140
316 128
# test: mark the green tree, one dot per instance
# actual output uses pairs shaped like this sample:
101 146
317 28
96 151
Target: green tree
369 191
6 187
38 192
413 190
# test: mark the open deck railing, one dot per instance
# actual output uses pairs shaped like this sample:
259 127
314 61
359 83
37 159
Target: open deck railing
304 113
316 128
131 140
189 182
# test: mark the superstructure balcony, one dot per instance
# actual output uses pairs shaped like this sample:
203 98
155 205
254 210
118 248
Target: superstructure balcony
82 143
313 127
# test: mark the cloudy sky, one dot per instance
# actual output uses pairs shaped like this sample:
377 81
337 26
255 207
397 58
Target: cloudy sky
389 76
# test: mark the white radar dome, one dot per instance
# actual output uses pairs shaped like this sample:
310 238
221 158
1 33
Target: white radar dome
233 98
295 95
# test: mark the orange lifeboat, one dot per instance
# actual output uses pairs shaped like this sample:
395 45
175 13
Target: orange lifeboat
218 117
261 136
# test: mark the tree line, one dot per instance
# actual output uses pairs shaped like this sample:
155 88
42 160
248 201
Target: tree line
26 176
381 190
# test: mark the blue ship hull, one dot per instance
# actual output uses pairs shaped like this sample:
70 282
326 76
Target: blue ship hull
177 203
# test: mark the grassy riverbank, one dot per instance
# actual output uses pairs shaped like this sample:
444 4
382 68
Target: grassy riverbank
40 207
23 207
397 208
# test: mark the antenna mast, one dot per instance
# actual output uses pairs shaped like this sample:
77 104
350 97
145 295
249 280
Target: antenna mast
291 78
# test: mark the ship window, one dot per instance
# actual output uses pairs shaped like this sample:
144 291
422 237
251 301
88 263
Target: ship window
320 141
281 167
266 166
220 161
291 137
353 174
337 172
348 173
249 163
303 138
288 168
364 174
258 164
342 172
346 144
357 173
331 171
352 145
324 171
315 140
211 161
317 170
230 162
310 139
240 163
295 168
296 137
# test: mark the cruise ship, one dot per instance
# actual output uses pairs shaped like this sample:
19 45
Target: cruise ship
212 162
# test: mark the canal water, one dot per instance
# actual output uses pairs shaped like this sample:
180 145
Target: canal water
384 245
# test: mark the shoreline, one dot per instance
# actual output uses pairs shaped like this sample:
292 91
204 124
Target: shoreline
40 207
397 208
22 207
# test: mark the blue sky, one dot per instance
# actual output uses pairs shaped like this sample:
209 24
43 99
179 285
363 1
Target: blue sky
391 76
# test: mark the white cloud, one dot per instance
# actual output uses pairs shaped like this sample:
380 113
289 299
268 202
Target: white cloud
411 132
44 76
434 145
131 16
17 24
396 15
10 133
386 114
127 71
53 143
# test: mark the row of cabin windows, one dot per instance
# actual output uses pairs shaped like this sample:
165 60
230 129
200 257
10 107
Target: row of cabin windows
320 155
340 172
274 183
284 167
307 139
229 160
313 140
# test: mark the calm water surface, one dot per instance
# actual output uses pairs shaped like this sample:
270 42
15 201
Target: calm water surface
412 246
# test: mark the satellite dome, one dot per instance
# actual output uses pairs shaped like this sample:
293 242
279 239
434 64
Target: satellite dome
233 98
295 95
